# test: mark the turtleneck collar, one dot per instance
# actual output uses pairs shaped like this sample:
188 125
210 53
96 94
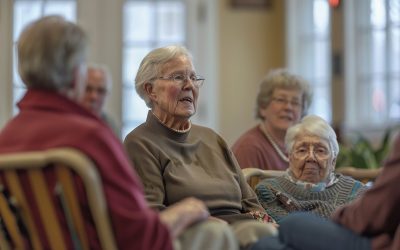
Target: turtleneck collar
177 135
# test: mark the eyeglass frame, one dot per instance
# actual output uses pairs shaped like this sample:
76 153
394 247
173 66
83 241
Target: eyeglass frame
315 148
174 78
283 101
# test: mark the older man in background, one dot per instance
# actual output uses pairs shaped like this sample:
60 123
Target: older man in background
98 86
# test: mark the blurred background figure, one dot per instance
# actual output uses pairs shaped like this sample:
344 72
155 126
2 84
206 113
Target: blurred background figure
309 184
282 100
98 86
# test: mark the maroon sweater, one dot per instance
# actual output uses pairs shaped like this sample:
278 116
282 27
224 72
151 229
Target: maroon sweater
48 120
253 149
377 213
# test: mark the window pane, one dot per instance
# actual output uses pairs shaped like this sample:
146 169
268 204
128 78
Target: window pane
146 25
63 8
26 12
132 59
394 105
375 100
170 22
139 21
378 59
321 59
321 16
394 11
395 50
378 14
321 105
136 109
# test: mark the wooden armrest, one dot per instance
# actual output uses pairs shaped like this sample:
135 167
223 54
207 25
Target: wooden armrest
254 175
360 173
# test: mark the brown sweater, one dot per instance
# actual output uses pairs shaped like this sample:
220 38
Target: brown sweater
376 214
198 163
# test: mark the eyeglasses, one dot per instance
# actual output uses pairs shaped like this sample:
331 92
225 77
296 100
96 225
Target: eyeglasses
320 152
282 101
181 79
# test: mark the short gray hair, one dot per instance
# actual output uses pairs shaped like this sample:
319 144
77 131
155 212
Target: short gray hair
312 125
151 67
49 50
106 72
282 79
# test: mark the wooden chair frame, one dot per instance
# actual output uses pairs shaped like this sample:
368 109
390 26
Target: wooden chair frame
254 175
66 161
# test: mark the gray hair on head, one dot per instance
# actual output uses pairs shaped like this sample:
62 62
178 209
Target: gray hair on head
282 79
151 66
105 70
49 50
315 126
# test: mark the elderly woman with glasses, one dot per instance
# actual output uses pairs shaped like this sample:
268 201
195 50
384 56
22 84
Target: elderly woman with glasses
282 100
177 159
310 183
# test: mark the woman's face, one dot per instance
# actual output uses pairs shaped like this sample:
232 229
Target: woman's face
311 158
171 100
284 109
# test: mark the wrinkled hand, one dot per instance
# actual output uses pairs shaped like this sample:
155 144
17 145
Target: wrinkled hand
184 213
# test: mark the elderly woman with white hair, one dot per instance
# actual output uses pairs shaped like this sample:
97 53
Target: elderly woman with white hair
177 159
310 183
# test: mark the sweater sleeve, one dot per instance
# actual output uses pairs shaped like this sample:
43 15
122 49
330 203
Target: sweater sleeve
249 199
148 167
135 224
377 211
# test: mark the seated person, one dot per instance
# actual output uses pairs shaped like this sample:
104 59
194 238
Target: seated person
309 184
52 64
98 86
283 98
371 222
177 159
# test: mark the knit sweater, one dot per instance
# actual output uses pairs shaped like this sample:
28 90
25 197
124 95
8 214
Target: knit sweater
198 163
279 196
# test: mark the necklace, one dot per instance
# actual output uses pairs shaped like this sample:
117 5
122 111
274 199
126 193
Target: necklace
273 143
176 130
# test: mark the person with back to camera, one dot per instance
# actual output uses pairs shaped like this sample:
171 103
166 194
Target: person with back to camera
98 87
177 159
371 222
52 65
283 98
309 184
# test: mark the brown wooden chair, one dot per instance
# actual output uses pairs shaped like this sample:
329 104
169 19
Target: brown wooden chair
361 174
255 175
18 224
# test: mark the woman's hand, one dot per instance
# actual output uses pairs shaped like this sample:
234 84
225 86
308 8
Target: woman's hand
184 213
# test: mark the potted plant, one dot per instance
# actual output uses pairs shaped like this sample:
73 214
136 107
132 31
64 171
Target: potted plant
361 153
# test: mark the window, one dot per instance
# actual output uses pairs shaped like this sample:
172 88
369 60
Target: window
25 11
309 50
147 25
373 62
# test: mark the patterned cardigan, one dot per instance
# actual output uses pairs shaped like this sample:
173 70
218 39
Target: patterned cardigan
279 196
